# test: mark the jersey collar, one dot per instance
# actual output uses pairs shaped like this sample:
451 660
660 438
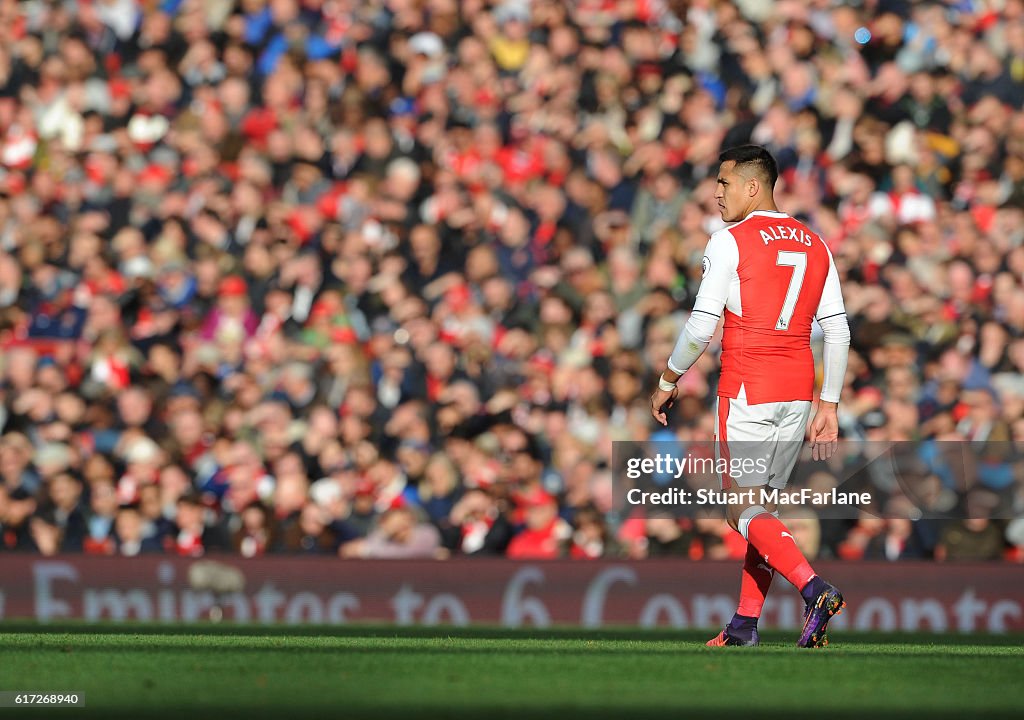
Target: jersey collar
768 213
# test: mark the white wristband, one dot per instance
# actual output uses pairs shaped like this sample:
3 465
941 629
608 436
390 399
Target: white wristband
664 385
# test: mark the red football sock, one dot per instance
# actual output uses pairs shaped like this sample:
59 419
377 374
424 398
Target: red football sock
773 541
754 583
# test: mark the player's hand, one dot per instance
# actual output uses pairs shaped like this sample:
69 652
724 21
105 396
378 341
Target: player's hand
824 433
661 401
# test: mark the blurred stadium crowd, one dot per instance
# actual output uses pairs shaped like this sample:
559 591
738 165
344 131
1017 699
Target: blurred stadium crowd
387 278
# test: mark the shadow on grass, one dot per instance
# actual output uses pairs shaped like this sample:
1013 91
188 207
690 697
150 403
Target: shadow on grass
485 633
258 647
486 712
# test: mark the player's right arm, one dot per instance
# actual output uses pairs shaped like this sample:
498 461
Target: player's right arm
831 316
721 258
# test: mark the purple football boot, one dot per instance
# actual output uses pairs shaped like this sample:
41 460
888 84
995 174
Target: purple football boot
826 605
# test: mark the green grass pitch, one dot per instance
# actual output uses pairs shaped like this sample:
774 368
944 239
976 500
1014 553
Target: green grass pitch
376 672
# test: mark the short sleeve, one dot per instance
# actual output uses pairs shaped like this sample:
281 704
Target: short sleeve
718 267
831 302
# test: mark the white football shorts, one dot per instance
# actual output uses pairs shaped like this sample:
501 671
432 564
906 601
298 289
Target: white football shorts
761 442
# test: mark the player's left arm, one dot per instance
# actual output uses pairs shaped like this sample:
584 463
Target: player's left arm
831 316
719 264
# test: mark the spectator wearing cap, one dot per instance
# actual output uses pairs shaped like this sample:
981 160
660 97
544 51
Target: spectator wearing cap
333 494
232 319
544 531
328 324
510 46
142 459
364 513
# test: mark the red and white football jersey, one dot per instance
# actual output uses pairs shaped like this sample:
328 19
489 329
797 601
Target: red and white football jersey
771 275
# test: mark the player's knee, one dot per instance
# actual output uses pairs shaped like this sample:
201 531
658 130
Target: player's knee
743 521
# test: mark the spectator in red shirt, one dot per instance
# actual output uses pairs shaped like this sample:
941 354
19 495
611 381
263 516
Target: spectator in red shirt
232 320
545 530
